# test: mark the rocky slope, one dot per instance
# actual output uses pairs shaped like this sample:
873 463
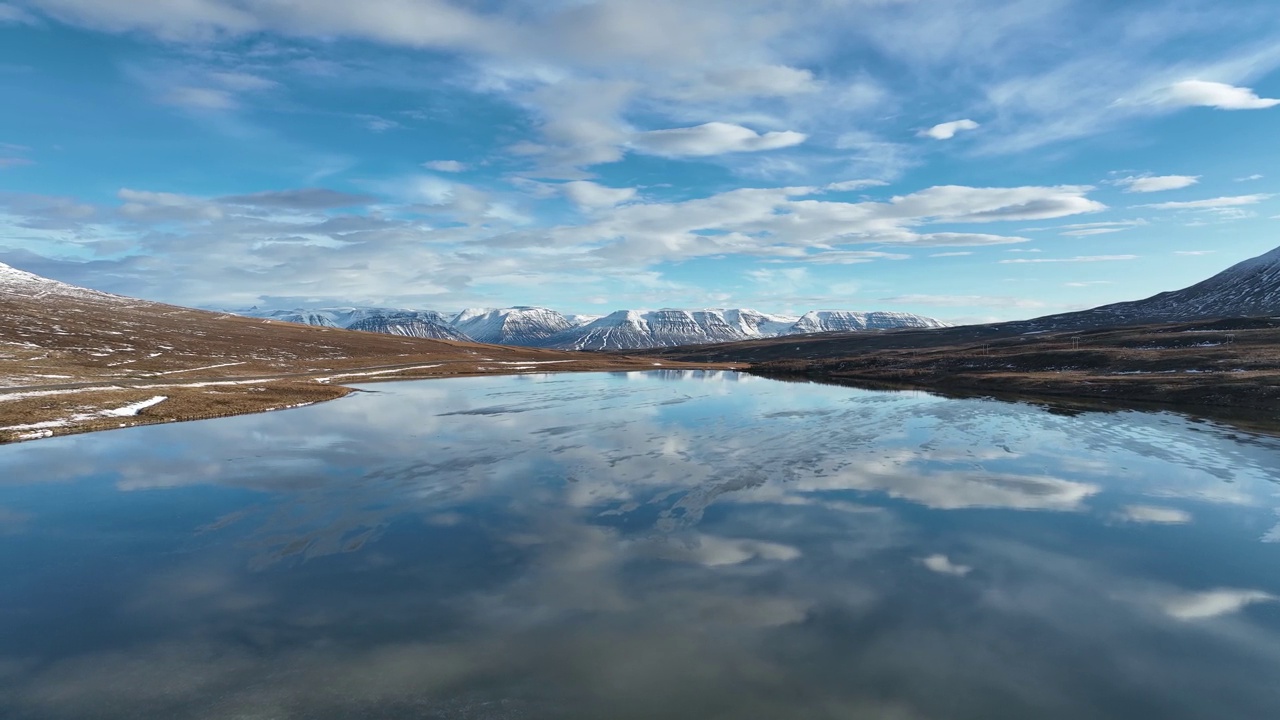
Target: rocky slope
1247 289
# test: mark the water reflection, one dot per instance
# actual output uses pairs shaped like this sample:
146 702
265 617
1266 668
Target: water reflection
665 544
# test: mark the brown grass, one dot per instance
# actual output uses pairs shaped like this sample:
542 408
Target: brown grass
89 353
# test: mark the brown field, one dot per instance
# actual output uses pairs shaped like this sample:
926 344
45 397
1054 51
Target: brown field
71 361
1219 367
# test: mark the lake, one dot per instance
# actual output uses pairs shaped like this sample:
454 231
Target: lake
643 545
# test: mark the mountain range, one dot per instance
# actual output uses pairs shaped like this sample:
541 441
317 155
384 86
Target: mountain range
621 330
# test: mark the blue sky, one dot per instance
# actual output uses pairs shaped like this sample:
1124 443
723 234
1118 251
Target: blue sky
965 159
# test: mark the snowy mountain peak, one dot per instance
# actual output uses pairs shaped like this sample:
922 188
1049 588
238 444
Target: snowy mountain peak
20 282
634 329
523 325
850 321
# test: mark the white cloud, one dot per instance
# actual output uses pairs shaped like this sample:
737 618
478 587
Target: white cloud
1249 178
449 166
713 138
1202 93
1076 259
1211 203
1213 603
851 185
1158 183
1194 252
1099 228
961 253
968 204
378 124
1154 514
942 565
848 257
948 130
589 196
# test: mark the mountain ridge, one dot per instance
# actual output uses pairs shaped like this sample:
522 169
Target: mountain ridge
628 329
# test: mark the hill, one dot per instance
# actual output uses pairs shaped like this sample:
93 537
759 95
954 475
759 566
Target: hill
73 359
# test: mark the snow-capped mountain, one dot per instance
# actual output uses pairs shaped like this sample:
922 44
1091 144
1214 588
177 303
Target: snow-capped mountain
633 329
393 321
511 326
24 284
621 330
816 321
1249 288
409 323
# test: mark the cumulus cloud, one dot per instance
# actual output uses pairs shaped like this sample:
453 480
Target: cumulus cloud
430 235
1211 203
1203 93
1157 183
713 138
942 565
589 196
948 130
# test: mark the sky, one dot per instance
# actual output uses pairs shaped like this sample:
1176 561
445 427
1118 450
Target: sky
970 160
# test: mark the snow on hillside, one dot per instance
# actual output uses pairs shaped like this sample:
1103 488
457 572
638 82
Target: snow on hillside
620 330
510 326
633 329
18 282
1247 289
846 321
392 321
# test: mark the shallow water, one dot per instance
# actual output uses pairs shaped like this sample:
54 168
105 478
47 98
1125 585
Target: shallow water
657 545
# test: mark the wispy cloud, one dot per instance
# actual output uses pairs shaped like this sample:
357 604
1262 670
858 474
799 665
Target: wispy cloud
964 301
1210 203
1154 514
1076 259
1156 183
449 166
713 138
1213 603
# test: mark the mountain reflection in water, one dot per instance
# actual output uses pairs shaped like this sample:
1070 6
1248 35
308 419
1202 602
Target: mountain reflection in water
643 545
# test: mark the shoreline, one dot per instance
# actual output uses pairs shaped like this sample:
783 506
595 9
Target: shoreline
40 412
1252 406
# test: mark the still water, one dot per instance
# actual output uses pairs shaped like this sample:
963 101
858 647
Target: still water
643 545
